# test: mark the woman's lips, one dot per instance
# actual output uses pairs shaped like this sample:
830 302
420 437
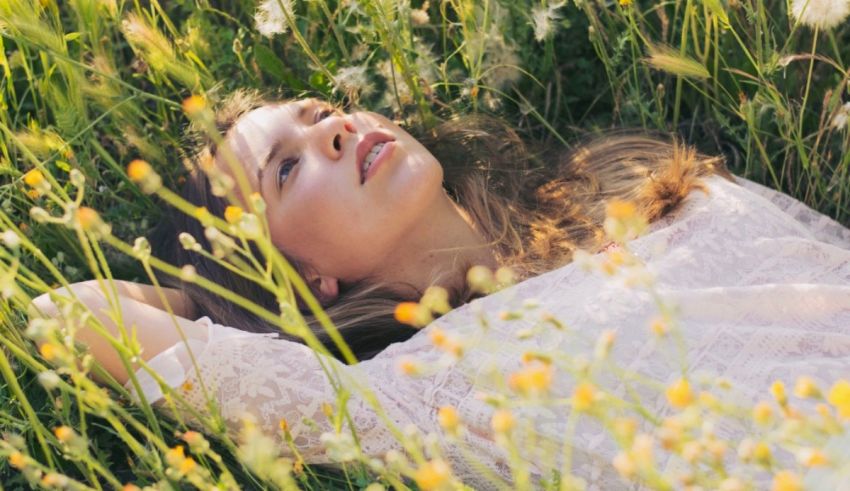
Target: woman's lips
365 145
383 155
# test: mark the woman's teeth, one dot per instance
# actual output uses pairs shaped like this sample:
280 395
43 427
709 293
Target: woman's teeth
370 157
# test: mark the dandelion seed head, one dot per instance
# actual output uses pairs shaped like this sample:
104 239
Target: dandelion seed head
353 81
839 121
820 14
270 17
543 18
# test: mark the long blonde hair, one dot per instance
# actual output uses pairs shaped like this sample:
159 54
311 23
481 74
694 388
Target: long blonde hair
535 206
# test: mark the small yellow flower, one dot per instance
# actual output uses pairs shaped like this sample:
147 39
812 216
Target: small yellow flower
175 455
762 453
659 326
17 460
762 413
408 367
232 214
432 475
34 178
88 218
839 396
786 481
583 396
679 394
621 210
203 215
194 104
625 465
449 419
503 421
778 391
187 386
284 425
187 465
812 457
625 429
138 170
63 433
33 193
806 388
532 379
625 3
48 351
413 314
130 487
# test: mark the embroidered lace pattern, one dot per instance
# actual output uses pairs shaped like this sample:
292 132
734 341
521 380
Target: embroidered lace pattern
762 288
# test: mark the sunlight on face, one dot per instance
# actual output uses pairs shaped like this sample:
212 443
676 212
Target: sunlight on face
332 201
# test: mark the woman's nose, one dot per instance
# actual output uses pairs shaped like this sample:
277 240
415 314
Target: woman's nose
335 134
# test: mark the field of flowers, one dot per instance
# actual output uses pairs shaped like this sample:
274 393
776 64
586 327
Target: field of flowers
96 96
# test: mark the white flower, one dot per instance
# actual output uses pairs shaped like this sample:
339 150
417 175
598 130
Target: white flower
11 239
419 17
270 17
543 17
824 14
839 121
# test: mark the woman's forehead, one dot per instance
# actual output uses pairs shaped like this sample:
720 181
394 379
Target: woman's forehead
253 135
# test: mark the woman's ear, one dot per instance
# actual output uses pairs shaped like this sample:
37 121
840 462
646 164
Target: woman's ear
326 288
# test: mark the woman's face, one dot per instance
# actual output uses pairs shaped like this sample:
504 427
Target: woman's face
331 202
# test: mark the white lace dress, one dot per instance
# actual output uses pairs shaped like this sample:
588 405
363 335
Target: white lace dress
762 289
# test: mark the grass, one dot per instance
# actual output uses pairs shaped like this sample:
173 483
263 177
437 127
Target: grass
90 85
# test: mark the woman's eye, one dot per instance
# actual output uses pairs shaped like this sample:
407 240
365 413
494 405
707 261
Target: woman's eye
283 171
324 114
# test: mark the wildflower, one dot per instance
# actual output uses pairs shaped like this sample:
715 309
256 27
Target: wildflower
621 210
232 214
502 421
188 242
142 249
353 81
89 220
49 379
187 386
188 273
432 475
481 279
532 380
820 14
839 396
762 413
17 460
196 441
625 465
408 366
542 19
54 480
624 429
130 487
270 17
340 447
583 396
679 394
659 326
625 3
449 419
806 388
413 314
143 174
419 17
194 105
812 457
64 433
33 194
48 351
35 179
839 121
778 391
786 481
604 343
11 239
77 178
761 453
436 299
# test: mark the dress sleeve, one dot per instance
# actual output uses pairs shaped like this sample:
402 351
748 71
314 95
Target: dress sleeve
267 379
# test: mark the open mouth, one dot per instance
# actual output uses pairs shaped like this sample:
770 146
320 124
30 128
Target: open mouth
369 150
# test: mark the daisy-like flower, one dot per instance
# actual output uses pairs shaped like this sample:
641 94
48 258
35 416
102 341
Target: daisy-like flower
543 17
823 14
270 17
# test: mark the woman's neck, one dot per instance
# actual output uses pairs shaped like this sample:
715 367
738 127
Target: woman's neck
446 244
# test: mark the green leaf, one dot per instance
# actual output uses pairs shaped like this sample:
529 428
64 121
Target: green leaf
269 63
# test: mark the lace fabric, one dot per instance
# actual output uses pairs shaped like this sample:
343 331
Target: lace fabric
761 286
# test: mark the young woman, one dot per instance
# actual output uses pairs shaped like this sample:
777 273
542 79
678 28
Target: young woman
371 216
